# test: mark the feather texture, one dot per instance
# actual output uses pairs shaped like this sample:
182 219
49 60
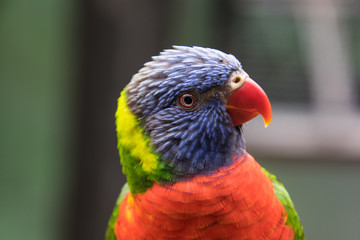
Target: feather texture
235 202
188 173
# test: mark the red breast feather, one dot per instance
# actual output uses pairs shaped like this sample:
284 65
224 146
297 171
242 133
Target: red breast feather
236 202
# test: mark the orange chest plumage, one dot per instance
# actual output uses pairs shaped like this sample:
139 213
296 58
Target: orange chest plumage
236 202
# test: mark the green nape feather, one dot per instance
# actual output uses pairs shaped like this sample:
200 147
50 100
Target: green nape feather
141 164
110 234
292 216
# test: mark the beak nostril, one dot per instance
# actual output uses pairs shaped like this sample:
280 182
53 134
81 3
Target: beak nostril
237 80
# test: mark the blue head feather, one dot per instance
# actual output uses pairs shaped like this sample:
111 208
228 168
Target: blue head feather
192 141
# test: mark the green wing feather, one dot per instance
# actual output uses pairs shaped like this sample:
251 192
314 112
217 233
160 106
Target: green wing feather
292 216
110 234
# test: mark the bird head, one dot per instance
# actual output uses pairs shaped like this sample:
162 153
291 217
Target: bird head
182 113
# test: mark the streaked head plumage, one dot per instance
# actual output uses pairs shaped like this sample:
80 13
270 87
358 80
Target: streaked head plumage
188 141
178 70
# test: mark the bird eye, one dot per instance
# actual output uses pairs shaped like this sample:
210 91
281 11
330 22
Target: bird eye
187 100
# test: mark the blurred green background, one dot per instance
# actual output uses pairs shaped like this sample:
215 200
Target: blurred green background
63 64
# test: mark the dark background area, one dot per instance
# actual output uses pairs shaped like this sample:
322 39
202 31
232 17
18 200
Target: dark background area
64 63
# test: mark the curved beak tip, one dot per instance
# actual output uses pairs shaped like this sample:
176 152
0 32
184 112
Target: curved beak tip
267 115
266 123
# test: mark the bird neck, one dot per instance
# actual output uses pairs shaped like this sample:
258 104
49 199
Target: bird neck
141 165
144 164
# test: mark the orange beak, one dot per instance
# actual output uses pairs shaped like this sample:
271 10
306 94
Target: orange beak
248 101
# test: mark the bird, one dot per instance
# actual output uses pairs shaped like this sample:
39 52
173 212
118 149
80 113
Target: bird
179 125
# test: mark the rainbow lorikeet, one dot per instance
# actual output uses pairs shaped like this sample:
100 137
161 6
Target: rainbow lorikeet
179 127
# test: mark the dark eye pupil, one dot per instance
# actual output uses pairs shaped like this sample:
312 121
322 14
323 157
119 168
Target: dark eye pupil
188 100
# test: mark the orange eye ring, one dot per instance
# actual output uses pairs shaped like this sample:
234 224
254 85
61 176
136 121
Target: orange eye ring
187 100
